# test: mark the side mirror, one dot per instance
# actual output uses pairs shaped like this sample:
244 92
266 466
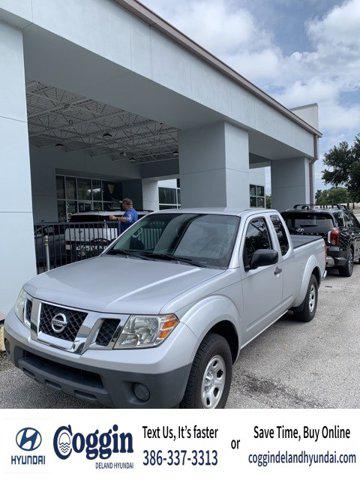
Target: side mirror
263 258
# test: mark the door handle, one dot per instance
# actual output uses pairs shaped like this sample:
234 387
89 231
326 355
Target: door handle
277 271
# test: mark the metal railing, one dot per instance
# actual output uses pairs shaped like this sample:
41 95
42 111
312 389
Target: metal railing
58 244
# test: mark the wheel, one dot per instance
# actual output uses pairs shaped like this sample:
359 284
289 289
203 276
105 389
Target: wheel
306 311
348 269
210 376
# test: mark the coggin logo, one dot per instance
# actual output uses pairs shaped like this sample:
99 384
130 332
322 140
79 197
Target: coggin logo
94 445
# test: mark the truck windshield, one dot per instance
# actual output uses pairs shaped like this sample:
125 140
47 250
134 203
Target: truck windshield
204 240
308 222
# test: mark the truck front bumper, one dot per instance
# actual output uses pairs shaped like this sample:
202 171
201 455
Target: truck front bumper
107 384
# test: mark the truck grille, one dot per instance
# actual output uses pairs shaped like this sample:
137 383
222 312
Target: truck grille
106 332
74 321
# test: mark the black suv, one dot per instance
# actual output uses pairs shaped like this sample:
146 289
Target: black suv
337 225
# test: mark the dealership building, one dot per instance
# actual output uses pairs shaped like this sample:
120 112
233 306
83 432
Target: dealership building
103 99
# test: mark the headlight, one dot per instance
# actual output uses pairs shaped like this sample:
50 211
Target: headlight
141 331
20 305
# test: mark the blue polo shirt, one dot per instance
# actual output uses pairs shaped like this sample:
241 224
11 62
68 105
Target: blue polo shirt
131 216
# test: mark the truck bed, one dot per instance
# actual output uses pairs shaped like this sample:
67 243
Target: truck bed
300 240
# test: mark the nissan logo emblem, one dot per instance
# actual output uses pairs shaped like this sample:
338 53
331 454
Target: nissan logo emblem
59 322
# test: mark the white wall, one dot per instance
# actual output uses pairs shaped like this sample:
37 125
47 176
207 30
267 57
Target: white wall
214 166
290 183
257 176
17 252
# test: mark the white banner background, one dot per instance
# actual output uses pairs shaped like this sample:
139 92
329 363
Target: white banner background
232 425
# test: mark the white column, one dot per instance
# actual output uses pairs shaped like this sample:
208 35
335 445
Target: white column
17 251
290 182
214 166
150 191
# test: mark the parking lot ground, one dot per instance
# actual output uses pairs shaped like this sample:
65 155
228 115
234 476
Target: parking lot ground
291 365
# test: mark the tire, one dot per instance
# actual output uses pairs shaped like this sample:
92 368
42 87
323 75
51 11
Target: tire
214 359
347 270
307 310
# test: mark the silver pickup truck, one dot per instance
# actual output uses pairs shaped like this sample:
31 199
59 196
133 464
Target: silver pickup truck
159 318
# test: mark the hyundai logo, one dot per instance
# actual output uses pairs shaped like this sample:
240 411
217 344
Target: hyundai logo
59 322
28 439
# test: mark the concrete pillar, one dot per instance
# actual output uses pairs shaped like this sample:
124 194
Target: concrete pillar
214 166
17 251
150 191
290 182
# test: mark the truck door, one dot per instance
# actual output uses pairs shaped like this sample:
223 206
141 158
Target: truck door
354 224
262 287
290 273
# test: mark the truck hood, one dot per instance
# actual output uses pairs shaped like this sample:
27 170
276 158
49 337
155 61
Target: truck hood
118 285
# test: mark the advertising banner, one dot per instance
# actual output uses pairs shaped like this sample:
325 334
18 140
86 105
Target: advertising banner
165 444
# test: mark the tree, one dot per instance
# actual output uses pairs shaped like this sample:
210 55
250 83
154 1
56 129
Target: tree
332 196
340 159
344 163
318 196
354 183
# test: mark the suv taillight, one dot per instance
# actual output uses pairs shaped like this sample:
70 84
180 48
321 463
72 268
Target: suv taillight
334 237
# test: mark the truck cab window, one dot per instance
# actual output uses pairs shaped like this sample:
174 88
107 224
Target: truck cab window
257 237
281 234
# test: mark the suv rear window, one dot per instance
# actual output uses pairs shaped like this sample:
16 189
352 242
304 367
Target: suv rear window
308 222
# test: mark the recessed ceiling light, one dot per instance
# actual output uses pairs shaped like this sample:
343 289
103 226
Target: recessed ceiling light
59 145
175 153
107 135
132 160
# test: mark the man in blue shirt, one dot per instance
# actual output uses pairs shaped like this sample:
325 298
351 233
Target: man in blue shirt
130 216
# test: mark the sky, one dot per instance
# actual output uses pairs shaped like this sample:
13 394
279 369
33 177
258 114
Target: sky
299 51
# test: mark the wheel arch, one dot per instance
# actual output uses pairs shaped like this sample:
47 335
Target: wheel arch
215 314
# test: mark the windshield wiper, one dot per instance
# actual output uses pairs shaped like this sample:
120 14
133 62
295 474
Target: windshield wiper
127 253
173 258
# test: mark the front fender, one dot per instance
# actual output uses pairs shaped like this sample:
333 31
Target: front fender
206 313
309 268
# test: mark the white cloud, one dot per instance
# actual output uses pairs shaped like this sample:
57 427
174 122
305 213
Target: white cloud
323 74
340 26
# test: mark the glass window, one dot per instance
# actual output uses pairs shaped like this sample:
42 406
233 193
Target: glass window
257 237
281 234
355 220
60 187
339 217
260 191
84 189
61 211
167 195
308 222
84 207
70 188
96 190
206 240
260 202
71 208
98 206
257 196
